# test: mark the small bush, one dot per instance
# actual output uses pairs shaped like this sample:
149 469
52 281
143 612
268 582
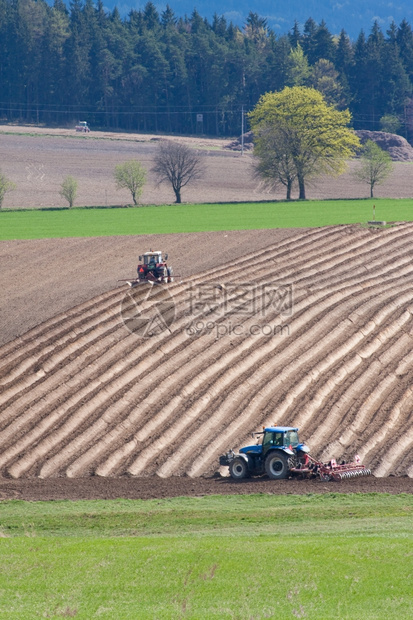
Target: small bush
69 190
131 175
5 186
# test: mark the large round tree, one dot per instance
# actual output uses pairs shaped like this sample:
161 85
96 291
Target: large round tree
297 126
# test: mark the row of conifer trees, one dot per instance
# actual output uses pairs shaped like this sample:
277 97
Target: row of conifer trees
157 72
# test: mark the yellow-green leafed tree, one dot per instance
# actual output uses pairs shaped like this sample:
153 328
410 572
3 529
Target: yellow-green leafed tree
303 130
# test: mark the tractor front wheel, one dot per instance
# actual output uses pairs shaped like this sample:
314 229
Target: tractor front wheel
238 469
276 466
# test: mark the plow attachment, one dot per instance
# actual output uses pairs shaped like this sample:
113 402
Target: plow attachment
132 282
331 470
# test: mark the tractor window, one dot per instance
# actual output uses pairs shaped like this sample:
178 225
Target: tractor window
278 439
272 439
150 259
291 438
267 441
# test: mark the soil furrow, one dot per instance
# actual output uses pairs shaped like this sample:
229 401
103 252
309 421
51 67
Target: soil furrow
386 429
279 415
38 336
300 244
333 420
123 449
291 368
82 396
163 416
397 441
105 387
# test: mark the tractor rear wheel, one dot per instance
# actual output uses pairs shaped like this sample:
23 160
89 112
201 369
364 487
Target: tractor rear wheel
276 466
238 469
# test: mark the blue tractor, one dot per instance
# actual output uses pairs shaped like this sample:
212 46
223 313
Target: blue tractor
279 453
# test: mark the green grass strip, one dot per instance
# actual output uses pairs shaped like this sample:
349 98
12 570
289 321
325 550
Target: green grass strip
214 515
98 222
238 557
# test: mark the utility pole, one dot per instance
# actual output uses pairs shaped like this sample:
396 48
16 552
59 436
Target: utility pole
242 130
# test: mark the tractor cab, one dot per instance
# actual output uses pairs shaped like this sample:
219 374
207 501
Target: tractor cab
152 258
83 127
278 452
275 437
153 268
279 438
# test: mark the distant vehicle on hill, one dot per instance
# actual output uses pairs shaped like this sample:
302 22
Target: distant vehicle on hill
82 126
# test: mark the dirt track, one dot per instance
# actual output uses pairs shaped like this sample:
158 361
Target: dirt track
154 488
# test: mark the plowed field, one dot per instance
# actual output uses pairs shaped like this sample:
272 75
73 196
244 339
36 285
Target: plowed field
38 164
314 330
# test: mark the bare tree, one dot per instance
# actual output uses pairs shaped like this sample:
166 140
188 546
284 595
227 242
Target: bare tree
176 164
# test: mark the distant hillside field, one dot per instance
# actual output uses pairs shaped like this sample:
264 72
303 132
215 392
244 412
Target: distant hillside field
38 159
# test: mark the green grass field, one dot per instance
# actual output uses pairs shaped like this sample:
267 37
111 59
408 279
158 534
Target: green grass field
97 222
224 557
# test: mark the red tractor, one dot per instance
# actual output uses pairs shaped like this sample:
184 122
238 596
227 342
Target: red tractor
83 127
153 268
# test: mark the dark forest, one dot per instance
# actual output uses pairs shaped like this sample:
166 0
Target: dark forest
152 72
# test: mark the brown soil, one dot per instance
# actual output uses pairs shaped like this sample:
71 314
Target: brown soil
82 396
88 409
154 488
41 278
38 164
